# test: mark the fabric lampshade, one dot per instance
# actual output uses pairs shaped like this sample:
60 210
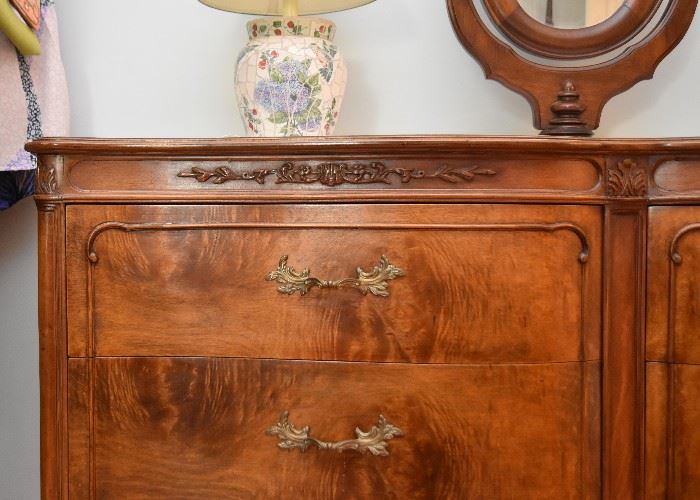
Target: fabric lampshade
278 7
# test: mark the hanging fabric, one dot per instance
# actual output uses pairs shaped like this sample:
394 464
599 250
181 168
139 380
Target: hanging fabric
33 104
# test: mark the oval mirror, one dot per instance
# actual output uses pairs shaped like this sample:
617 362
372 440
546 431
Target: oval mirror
548 28
570 14
569 57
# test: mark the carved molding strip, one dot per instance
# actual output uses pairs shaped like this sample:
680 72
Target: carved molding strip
336 174
374 282
46 207
166 226
374 441
627 180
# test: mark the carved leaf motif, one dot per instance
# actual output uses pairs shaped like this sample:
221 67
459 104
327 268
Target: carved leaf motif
627 180
201 175
221 174
46 179
454 175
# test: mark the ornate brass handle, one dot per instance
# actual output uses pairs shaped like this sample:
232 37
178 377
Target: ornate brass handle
374 282
373 441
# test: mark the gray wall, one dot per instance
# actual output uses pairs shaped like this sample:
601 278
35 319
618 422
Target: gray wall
164 68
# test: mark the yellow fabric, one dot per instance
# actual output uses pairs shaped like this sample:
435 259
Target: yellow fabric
17 32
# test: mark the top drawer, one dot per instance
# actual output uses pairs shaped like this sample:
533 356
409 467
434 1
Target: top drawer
480 283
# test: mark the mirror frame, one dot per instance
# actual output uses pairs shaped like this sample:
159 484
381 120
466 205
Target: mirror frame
569 100
559 43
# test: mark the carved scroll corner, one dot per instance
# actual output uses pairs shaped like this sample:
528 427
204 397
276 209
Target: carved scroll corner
675 251
676 257
627 179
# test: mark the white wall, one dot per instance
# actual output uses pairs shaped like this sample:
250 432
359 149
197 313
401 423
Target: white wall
164 68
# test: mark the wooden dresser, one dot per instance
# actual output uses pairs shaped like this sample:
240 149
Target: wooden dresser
369 317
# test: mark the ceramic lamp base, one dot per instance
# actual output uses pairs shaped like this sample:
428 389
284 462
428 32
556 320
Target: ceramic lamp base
290 78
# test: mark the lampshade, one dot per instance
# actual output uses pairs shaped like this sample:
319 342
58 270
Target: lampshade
279 7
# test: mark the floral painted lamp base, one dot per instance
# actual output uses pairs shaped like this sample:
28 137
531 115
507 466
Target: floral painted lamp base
290 78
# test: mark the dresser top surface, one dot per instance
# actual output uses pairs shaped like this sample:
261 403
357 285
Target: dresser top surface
393 145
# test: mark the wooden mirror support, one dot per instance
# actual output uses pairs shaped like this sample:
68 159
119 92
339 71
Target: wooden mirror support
551 67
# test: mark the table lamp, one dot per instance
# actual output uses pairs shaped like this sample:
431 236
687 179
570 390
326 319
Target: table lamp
290 77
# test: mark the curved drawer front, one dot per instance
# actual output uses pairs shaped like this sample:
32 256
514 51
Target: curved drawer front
673 316
442 284
672 435
208 428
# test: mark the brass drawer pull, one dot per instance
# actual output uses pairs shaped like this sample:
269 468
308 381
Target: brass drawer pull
374 282
373 441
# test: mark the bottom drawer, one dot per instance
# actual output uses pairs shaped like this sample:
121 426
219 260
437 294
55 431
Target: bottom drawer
200 428
672 431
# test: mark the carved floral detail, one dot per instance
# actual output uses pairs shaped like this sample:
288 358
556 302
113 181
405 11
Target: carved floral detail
627 180
373 441
335 174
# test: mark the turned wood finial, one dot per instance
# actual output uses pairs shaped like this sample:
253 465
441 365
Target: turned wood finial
567 111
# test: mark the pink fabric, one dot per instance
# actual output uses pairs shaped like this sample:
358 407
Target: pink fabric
37 106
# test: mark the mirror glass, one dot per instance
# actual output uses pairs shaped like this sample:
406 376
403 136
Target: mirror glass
571 14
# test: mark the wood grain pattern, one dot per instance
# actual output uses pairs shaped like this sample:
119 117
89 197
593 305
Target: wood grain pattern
655 432
683 470
52 350
195 428
520 361
678 176
673 434
110 176
623 334
79 425
202 291
673 382
674 288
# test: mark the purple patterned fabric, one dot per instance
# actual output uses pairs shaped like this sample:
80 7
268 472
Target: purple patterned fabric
33 104
14 186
